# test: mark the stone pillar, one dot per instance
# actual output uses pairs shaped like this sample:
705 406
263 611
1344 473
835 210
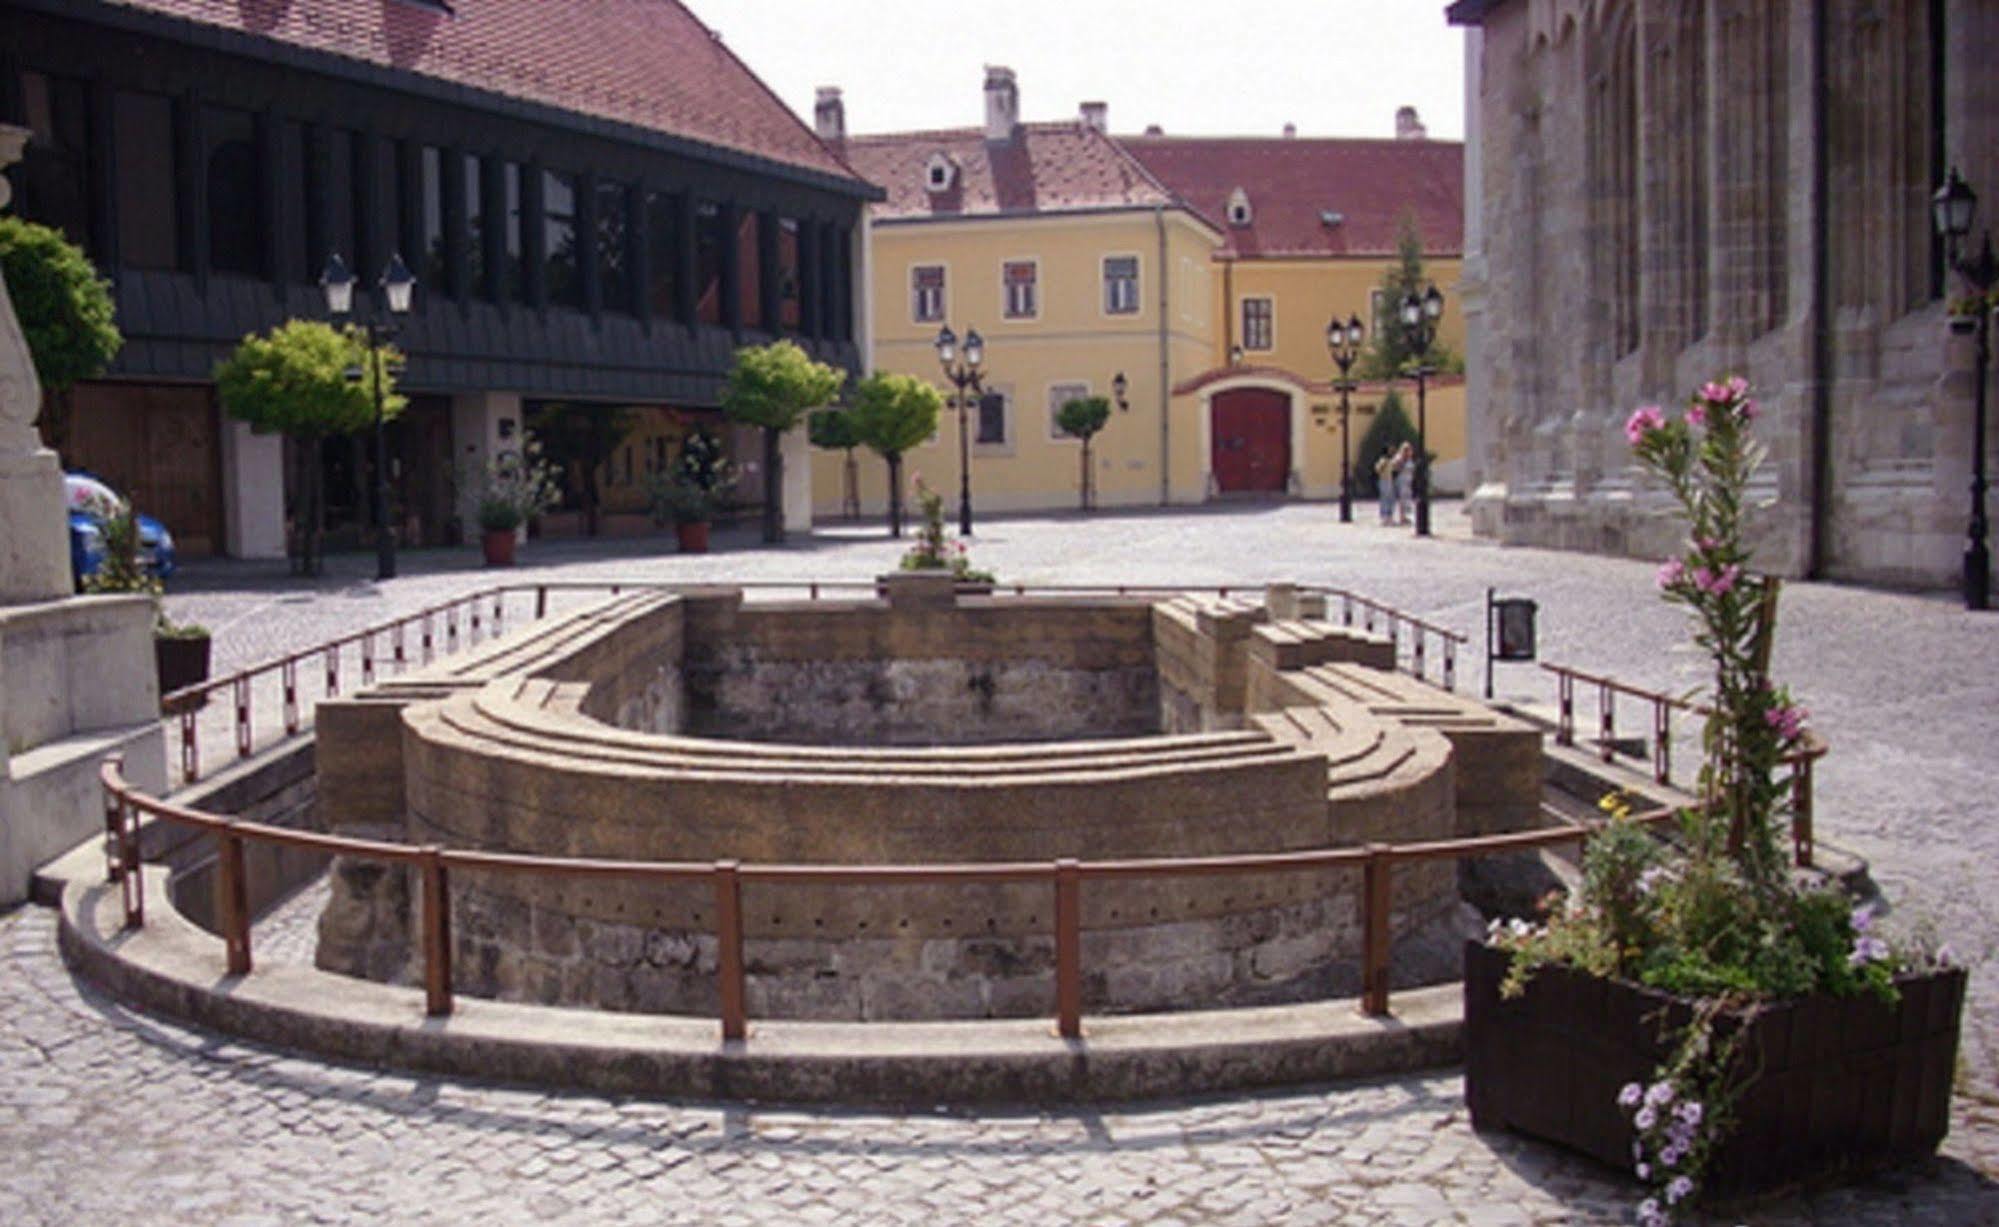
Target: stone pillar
796 448
253 492
483 424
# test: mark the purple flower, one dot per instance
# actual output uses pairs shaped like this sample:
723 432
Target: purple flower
1749 409
1863 918
1671 1155
1867 950
1738 387
1690 1112
1678 1190
1646 1117
1630 1095
1945 956
1671 572
1716 582
1789 721
1644 1171
1649 1214
1647 883
1643 420
1659 1093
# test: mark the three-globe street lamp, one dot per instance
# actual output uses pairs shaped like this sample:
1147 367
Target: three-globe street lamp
1419 320
1954 206
396 284
1343 342
967 378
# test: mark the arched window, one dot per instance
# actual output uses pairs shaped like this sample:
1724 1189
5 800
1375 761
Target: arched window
235 193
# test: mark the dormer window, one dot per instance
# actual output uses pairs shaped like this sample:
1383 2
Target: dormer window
1239 214
939 173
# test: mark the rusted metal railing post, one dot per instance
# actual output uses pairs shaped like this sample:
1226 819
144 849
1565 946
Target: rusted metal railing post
114 860
232 901
729 949
1450 663
131 877
1422 670
428 638
540 601
1068 949
368 659
1802 840
333 670
1662 740
1565 722
436 933
190 746
288 677
1606 708
1374 921
241 689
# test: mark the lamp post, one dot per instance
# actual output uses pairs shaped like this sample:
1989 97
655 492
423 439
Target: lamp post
1954 206
396 284
1119 386
1419 318
967 378
1343 342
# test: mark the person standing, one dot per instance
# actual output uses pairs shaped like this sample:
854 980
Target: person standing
1384 484
1405 477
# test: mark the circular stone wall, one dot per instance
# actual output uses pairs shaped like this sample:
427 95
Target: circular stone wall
579 751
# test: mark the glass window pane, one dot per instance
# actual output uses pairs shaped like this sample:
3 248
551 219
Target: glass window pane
148 200
558 214
662 253
475 226
55 186
708 264
235 195
749 270
787 274
613 269
431 273
516 269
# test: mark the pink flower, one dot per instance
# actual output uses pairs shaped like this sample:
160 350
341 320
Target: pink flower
1738 387
1643 421
1707 543
1671 572
1697 415
1716 582
1715 393
1788 720
1749 409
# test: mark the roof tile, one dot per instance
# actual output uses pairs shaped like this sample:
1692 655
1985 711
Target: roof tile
1046 167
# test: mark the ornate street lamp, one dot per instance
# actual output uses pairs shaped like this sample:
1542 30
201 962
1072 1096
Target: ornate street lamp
396 285
1343 342
1119 386
966 376
1419 320
1955 205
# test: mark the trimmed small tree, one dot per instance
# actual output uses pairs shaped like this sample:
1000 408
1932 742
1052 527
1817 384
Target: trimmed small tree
1081 418
65 312
295 380
773 387
891 414
832 430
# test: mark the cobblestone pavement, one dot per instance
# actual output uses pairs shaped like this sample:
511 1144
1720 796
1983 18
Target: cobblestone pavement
106 1114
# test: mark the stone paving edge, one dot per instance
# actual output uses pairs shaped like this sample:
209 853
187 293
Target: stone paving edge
173 967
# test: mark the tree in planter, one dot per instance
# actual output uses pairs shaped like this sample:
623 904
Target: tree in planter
832 430
1719 922
580 439
65 312
1390 429
295 380
891 414
1390 355
773 387
1081 418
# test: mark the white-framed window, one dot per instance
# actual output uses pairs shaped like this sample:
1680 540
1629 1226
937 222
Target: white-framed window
939 173
992 418
926 293
1258 324
1239 211
1060 394
1020 289
1120 285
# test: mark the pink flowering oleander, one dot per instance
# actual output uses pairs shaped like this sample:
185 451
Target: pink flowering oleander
1715 393
1697 415
1716 582
1738 387
1671 572
1643 420
1788 720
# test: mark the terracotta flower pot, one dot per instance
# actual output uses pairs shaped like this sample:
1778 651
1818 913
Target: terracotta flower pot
1841 1086
693 536
499 545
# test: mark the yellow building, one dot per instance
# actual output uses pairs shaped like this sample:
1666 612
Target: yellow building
1077 260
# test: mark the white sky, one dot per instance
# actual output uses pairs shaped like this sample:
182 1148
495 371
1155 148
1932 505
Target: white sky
1195 67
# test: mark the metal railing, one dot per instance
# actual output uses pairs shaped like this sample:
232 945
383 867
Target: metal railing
288 689
1066 878
1801 760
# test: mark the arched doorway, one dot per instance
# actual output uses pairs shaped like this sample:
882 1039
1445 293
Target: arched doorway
1250 441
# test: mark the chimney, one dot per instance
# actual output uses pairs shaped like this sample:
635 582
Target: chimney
1002 103
1290 131
1097 116
1408 127
1154 130
829 115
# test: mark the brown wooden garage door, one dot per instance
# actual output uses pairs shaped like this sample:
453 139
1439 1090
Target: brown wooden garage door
156 444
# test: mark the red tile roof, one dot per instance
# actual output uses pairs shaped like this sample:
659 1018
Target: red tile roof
649 63
1046 167
1292 182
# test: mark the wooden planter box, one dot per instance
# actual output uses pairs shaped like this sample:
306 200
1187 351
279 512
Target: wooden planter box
180 661
1847 1084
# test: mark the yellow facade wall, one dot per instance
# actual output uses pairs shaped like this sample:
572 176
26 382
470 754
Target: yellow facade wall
1071 341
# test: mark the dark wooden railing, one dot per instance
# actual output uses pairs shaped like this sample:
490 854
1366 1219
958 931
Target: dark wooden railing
1066 878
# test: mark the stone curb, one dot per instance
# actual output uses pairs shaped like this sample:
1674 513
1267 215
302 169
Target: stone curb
173 967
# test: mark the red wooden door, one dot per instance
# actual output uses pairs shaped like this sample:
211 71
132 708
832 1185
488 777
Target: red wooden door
1251 441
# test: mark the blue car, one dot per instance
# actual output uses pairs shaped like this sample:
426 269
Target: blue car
86 495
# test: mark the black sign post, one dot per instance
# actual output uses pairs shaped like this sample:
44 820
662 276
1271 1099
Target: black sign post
1509 631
